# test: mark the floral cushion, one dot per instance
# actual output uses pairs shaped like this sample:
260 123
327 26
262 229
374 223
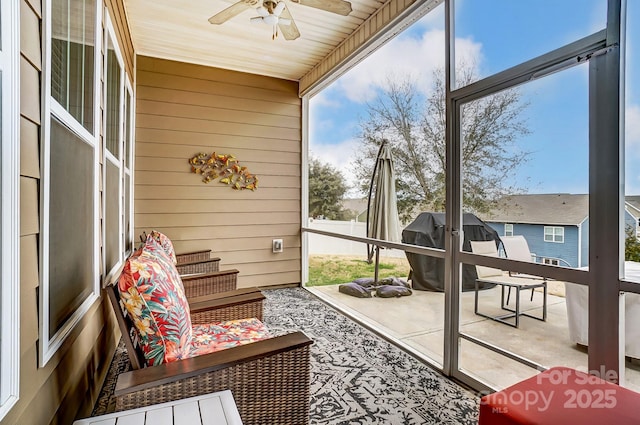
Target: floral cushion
153 248
165 243
156 303
217 336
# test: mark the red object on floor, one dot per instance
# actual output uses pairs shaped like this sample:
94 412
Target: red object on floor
561 395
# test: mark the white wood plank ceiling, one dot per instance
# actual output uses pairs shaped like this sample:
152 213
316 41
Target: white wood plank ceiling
180 30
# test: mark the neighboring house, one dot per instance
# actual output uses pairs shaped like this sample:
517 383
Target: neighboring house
357 206
633 206
555 225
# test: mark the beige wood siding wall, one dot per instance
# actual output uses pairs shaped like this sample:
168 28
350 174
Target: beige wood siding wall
68 386
184 109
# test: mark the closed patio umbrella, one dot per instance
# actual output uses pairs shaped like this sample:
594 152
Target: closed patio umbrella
382 213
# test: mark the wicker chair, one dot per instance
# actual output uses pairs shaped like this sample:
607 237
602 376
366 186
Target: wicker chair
269 379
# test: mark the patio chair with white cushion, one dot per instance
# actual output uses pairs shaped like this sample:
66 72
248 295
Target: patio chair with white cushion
517 248
499 277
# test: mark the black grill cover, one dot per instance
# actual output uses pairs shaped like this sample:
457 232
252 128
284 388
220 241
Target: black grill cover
427 273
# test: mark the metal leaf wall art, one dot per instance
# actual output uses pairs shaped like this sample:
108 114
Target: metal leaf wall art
225 167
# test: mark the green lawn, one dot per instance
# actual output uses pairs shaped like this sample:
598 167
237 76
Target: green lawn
335 269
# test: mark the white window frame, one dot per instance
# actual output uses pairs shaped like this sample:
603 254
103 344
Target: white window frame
553 232
10 220
508 229
110 34
129 170
48 346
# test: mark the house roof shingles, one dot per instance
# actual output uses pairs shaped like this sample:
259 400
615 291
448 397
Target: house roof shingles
553 208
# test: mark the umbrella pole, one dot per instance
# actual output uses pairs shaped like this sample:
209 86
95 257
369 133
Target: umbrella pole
377 263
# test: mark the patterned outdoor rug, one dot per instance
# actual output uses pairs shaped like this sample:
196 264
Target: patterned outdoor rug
356 377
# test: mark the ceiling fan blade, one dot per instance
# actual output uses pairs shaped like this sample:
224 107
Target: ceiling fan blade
279 8
284 21
257 20
262 11
231 11
290 31
341 7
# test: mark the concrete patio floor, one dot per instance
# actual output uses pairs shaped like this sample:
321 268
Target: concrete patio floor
416 323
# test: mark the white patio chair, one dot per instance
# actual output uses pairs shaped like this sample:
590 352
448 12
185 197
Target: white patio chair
577 299
517 248
498 277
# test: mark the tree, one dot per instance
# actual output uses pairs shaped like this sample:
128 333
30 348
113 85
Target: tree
414 124
631 246
327 188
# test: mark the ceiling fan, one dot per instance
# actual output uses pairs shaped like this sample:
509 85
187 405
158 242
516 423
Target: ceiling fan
276 13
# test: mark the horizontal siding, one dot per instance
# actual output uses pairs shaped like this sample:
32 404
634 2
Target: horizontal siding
220 141
186 178
534 234
182 164
212 125
29 149
223 215
248 154
185 109
584 255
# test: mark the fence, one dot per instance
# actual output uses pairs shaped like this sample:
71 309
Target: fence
319 244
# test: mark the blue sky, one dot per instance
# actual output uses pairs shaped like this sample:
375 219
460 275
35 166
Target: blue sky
495 34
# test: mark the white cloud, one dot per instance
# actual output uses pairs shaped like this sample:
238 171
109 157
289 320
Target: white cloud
632 149
340 156
415 57
323 98
632 131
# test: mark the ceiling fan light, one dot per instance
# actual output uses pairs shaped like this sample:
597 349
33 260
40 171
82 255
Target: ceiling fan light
270 20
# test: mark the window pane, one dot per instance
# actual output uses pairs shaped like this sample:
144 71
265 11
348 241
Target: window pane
494 35
72 57
71 232
112 136
127 129
631 231
508 138
631 235
1 144
127 213
112 195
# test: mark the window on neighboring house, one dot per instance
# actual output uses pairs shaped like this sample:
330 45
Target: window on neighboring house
554 234
9 205
551 261
69 234
508 229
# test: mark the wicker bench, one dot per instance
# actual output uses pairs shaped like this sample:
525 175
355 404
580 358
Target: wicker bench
270 378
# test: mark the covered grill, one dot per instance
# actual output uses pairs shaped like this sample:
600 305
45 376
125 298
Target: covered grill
427 273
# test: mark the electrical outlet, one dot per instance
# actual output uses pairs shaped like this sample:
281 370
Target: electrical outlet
277 245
